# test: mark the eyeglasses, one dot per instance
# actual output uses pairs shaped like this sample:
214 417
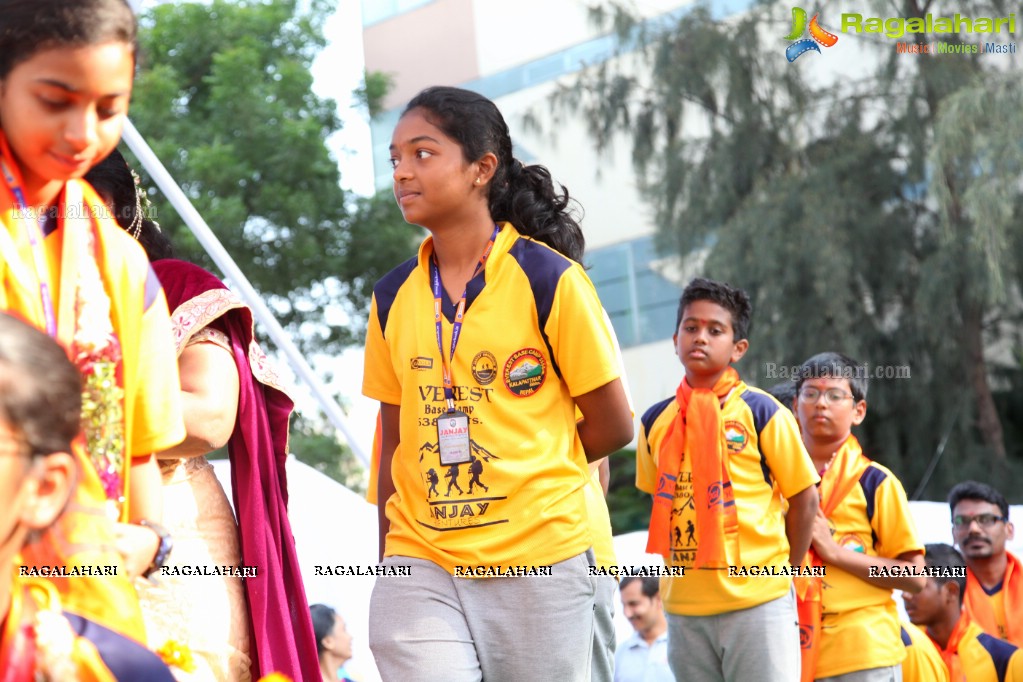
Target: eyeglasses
833 396
983 520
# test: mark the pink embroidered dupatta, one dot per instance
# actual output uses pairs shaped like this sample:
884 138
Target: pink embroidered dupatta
281 627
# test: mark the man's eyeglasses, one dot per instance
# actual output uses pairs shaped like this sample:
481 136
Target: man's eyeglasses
983 520
833 396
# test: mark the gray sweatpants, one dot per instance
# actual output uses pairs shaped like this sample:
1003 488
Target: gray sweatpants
431 625
759 643
890 674
603 666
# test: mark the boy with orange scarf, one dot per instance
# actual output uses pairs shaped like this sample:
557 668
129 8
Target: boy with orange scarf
718 457
40 403
863 535
994 579
969 653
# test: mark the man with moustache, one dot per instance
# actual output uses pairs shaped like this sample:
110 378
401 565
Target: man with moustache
994 577
643 657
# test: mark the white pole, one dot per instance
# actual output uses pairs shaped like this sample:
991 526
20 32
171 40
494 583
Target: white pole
205 235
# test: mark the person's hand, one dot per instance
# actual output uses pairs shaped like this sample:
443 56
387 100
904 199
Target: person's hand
138 545
823 541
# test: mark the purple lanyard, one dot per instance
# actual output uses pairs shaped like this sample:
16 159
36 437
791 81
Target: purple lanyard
35 239
456 327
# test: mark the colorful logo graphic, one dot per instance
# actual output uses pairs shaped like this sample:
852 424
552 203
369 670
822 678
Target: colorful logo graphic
804 45
852 542
484 368
735 436
805 636
713 493
525 372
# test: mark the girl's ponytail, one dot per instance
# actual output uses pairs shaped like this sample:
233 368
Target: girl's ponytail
525 196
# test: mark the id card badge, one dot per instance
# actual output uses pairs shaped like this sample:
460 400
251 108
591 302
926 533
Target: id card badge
453 438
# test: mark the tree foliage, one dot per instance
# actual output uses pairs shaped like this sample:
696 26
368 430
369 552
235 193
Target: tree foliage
629 511
224 96
319 448
874 215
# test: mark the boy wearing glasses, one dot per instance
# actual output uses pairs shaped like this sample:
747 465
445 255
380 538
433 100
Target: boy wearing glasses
864 533
994 581
718 457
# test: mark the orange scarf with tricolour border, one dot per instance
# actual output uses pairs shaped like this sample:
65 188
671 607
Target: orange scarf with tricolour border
699 430
840 478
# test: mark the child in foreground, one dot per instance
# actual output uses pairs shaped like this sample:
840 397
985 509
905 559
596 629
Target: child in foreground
480 351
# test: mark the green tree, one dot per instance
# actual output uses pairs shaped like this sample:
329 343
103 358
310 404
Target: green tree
628 510
224 96
822 200
319 447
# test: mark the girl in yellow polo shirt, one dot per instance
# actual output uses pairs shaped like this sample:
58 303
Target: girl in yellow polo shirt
479 351
66 70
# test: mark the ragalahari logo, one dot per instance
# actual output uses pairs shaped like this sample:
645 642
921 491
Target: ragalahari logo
804 45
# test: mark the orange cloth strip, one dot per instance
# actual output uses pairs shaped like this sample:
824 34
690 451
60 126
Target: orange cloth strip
840 478
950 654
978 603
699 428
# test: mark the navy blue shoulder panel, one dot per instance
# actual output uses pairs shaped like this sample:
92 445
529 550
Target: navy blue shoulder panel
763 407
870 480
906 639
653 412
387 288
543 268
1000 650
127 660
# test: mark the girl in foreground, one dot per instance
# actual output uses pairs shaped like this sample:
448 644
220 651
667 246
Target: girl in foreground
479 351
66 69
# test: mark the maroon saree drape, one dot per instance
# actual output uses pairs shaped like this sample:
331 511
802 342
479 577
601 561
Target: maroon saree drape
279 620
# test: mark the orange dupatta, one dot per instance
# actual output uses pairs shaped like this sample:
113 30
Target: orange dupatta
699 427
838 480
978 603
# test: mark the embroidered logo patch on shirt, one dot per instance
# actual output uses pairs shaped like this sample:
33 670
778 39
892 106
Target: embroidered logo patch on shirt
525 372
852 542
421 363
484 368
736 436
